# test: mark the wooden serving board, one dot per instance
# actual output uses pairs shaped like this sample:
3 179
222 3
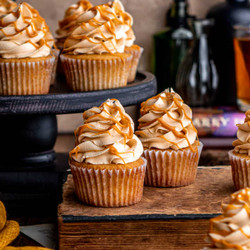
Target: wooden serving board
166 218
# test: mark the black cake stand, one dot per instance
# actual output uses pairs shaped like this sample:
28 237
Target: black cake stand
29 168
28 124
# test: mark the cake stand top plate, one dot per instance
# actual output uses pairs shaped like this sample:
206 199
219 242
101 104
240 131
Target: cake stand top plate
61 101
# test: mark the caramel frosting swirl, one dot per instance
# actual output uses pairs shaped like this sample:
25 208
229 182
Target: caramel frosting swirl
231 230
6 6
100 30
166 122
67 25
24 33
107 136
127 18
242 144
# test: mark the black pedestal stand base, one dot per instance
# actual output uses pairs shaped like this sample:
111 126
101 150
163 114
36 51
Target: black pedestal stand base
30 177
27 140
33 190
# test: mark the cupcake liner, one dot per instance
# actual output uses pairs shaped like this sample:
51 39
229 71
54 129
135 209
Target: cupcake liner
56 53
171 168
25 76
95 74
136 54
240 170
116 187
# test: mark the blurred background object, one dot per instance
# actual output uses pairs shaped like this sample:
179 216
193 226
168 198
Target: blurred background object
197 79
226 15
171 44
242 65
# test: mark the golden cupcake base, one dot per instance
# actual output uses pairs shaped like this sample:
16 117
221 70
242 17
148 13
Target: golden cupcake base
26 76
240 166
136 52
171 168
113 185
56 53
96 72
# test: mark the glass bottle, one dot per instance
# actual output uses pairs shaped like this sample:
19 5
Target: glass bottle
225 16
197 78
170 45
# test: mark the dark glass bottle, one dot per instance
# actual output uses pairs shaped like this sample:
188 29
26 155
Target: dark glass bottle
170 45
225 16
197 78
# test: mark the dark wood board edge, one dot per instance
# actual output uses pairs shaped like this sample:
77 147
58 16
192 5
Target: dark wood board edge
74 219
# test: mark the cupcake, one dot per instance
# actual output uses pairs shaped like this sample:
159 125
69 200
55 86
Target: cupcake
231 230
130 47
26 59
106 164
240 156
93 56
67 25
6 6
169 139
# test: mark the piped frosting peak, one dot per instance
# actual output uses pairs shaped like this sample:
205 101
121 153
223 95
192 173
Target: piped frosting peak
102 29
107 136
231 230
24 33
166 122
67 25
242 144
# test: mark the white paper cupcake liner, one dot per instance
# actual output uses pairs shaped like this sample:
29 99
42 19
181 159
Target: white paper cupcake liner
26 77
109 188
56 53
136 55
171 168
240 170
90 75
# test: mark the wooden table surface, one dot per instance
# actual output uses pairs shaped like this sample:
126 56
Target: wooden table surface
165 218
209 157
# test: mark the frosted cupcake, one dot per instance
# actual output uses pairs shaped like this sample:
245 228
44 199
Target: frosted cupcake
240 156
231 230
6 6
130 47
106 163
26 59
67 25
93 57
169 139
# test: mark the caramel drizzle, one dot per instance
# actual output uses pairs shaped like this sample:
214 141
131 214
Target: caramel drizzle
124 122
183 134
27 20
69 18
109 25
8 5
239 199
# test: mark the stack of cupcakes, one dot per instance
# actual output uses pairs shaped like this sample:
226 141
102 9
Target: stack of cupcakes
26 57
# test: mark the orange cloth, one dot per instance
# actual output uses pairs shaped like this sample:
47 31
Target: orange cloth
9 230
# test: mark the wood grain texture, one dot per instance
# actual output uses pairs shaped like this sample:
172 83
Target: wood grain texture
157 222
150 234
203 198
